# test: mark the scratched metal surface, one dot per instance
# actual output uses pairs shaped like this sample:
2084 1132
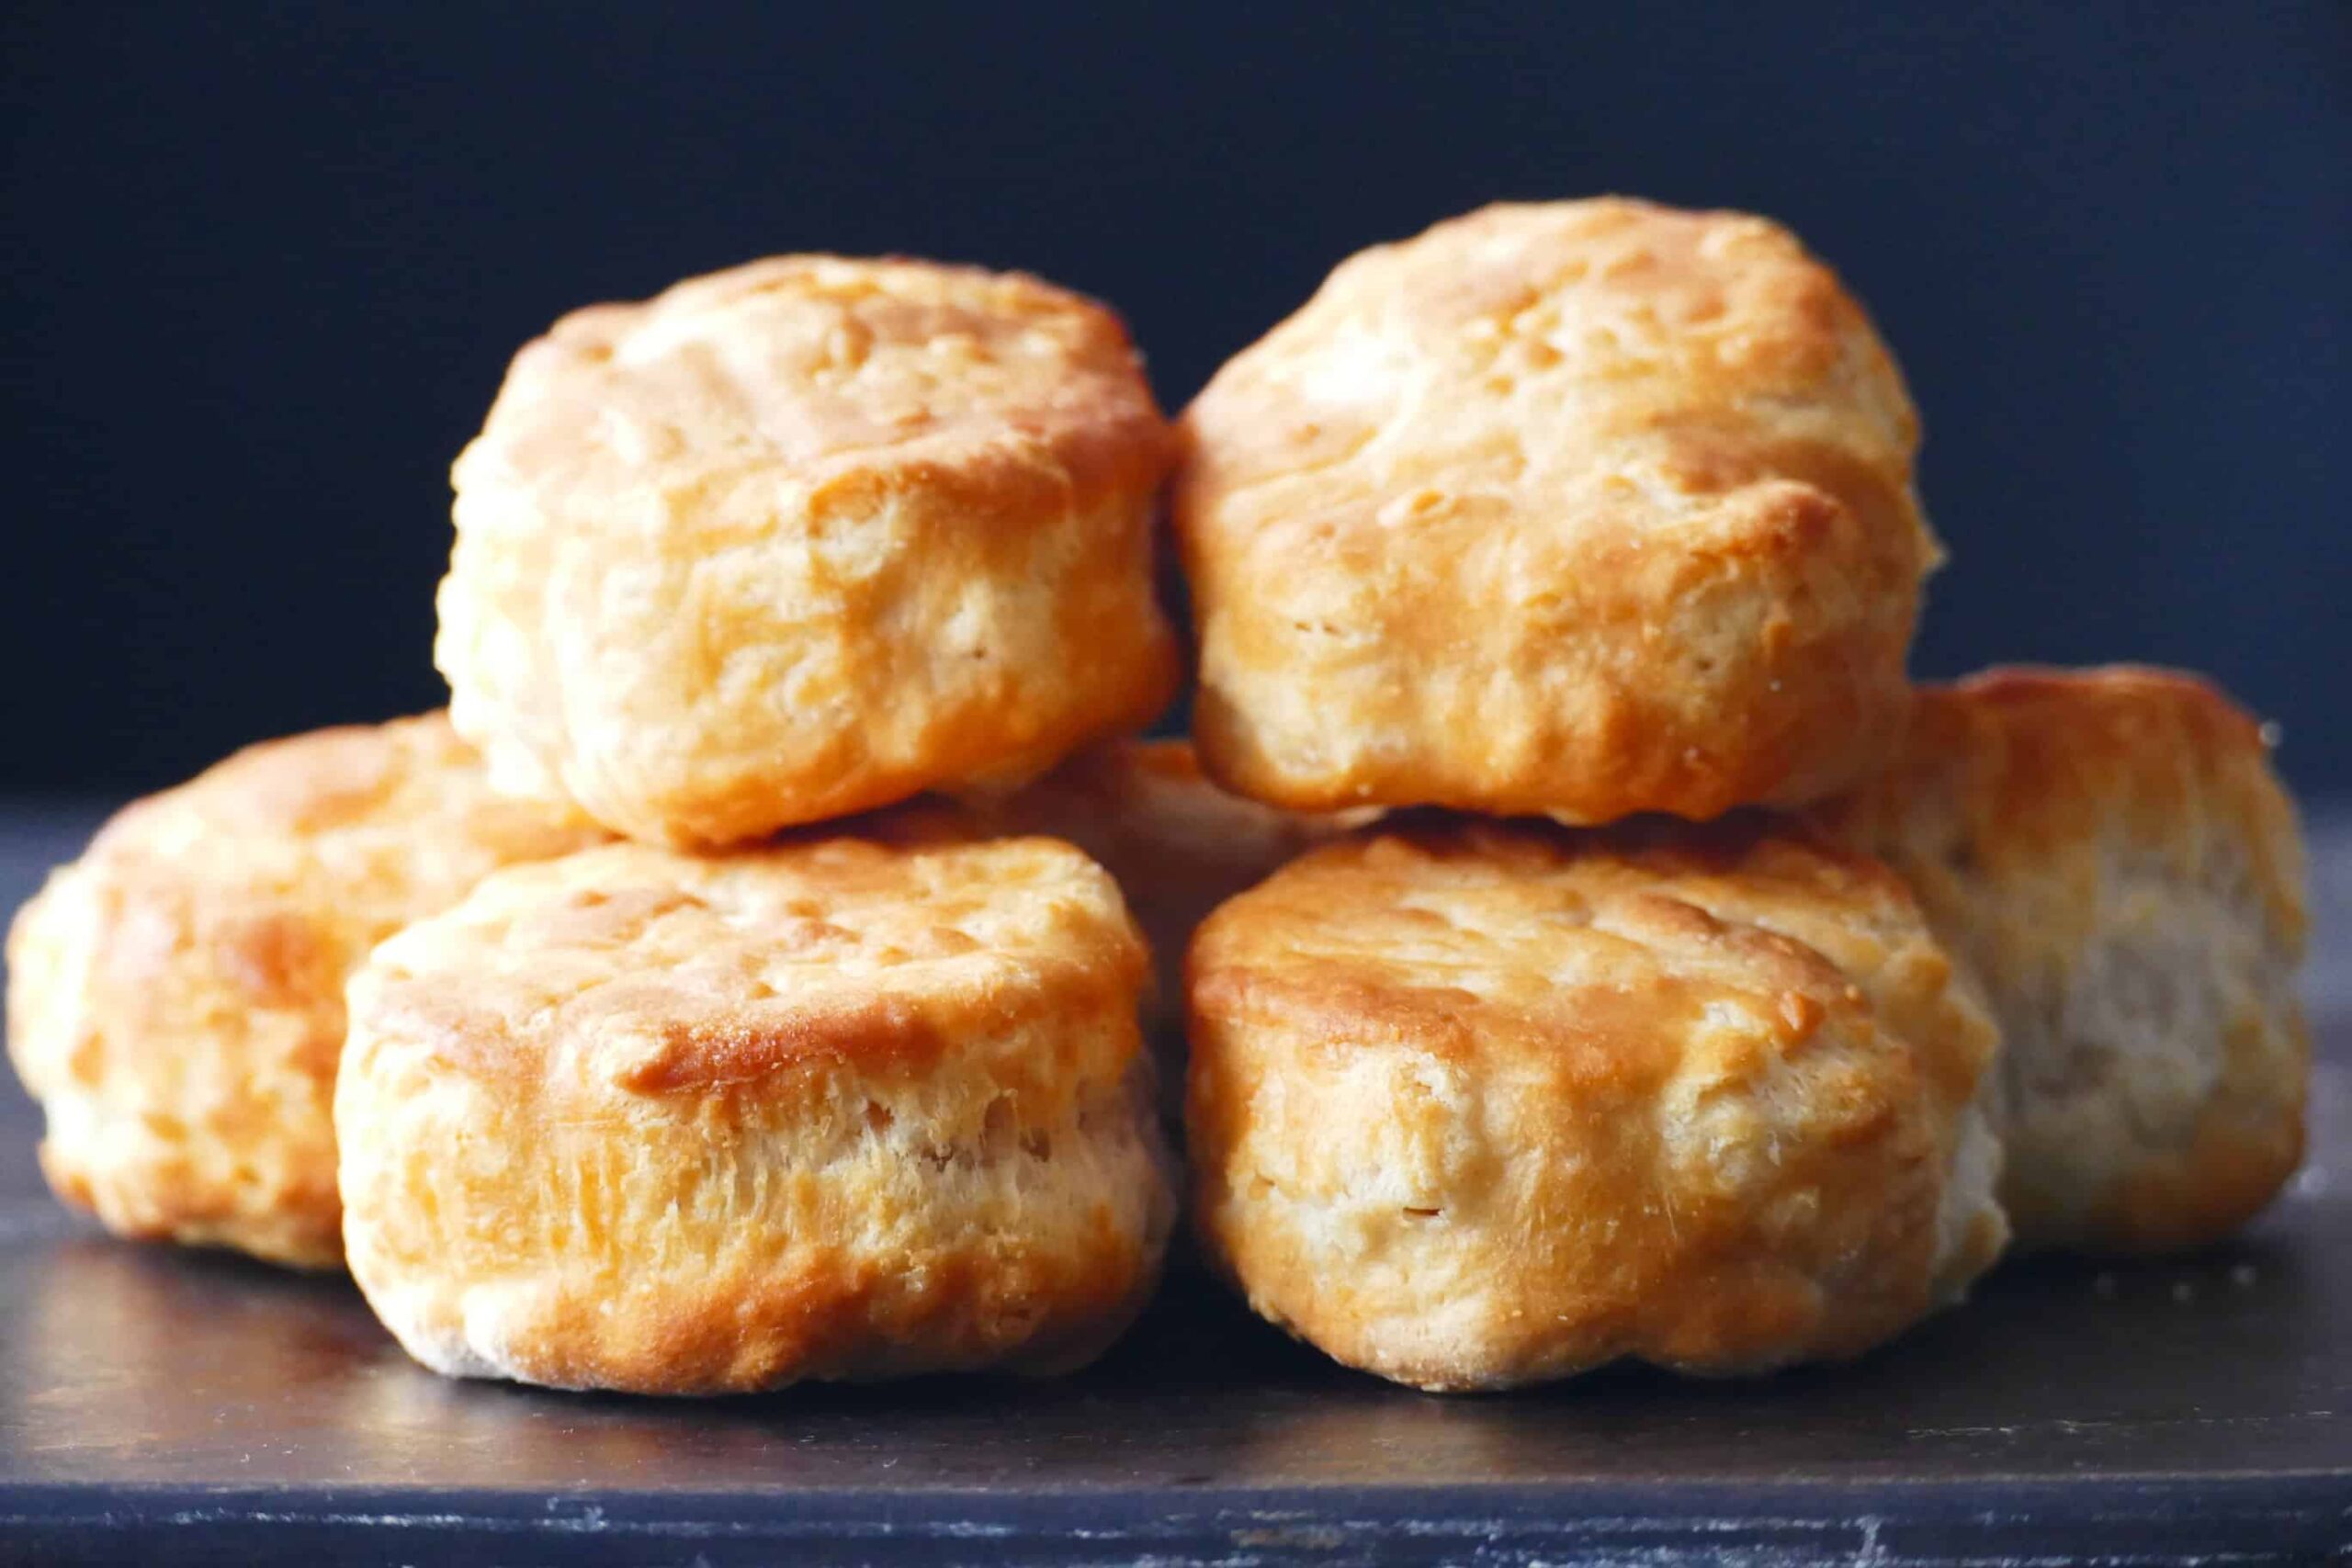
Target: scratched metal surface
202 1408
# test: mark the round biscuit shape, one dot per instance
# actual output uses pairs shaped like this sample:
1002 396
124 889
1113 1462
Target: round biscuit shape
831 1109
2111 854
801 538
1581 509
176 995
1705 1098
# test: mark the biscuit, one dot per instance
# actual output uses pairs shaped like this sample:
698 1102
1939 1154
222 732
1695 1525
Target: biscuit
2111 854
1578 510
804 537
830 1109
175 996
1474 1106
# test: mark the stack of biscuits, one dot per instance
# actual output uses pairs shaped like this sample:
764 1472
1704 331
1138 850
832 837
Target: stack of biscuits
1575 939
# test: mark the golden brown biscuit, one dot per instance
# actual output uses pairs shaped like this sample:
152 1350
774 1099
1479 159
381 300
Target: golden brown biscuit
2111 853
832 1109
1479 1105
1581 510
175 996
804 538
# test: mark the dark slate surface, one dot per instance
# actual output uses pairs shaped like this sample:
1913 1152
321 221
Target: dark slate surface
156 1404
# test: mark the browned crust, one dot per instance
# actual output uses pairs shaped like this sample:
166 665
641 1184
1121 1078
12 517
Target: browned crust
945 479
1624 492
2030 786
175 996
833 1107
1241 962
666 974
1549 1017
2039 762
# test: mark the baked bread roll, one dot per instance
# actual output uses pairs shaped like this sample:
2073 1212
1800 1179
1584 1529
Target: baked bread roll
2111 854
1474 1106
834 1109
806 537
175 996
1578 510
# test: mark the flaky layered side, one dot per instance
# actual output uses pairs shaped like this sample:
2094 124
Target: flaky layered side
175 996
1474 1106
2111 853
802 538
1578 510
644 1121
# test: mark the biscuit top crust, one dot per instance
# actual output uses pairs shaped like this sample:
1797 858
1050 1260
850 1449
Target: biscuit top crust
1623 959
1596 369
391 817
826 367
659 973
2022 771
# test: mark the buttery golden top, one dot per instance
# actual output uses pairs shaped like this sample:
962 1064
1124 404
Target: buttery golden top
803 538
2025 771
1628 956
661 973
827 365
1625 492
1474 1104
367 825
1595 369
175 997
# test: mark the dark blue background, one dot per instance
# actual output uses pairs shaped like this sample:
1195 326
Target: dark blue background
265 268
